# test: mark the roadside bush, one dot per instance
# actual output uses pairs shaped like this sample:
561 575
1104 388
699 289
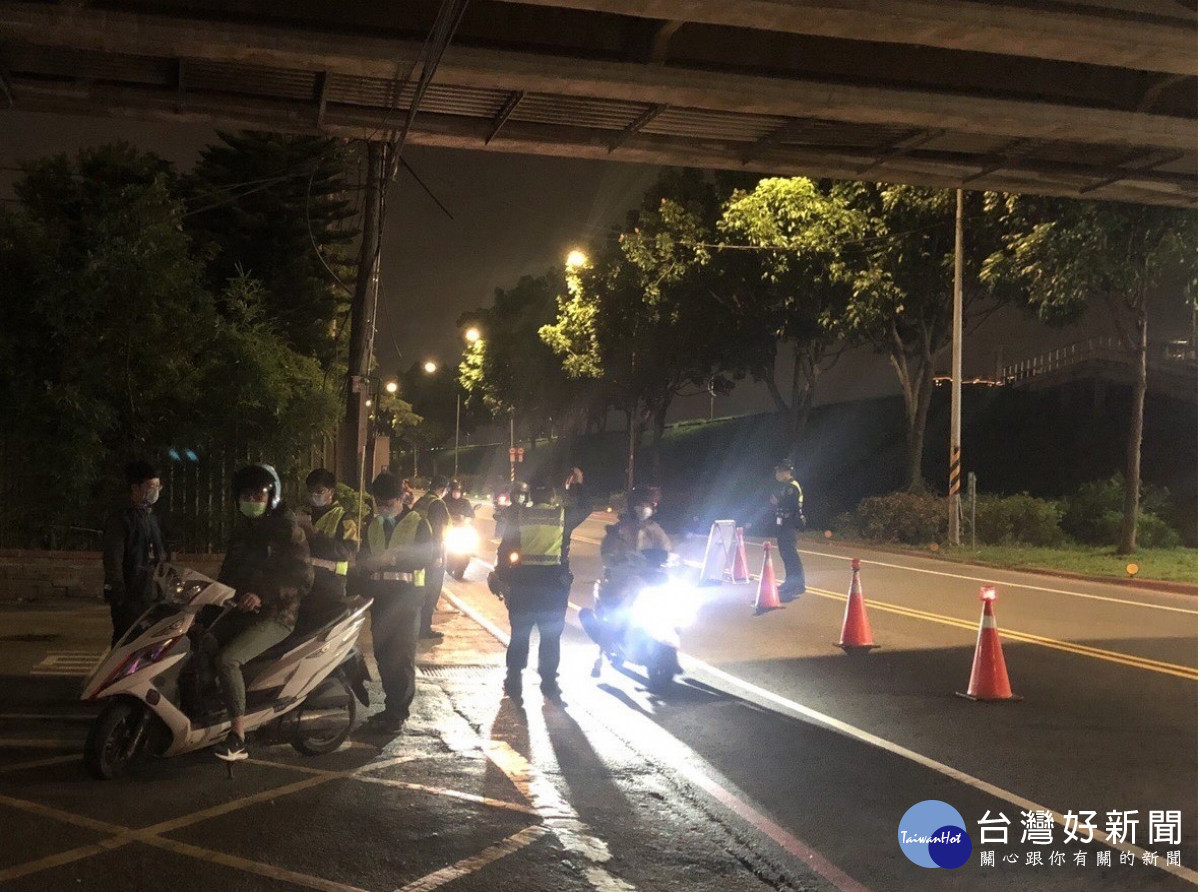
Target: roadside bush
1092 514
903 517
1019 519
846 524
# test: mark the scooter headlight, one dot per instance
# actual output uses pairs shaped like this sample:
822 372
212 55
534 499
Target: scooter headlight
666 607
462 540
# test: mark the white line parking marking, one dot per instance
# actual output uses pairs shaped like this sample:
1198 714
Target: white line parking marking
67 662
514 843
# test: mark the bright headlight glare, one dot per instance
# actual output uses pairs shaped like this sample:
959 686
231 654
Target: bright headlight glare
462 540
665 607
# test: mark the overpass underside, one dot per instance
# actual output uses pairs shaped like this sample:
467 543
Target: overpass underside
1089 99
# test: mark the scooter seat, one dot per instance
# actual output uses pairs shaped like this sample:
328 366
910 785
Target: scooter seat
297 636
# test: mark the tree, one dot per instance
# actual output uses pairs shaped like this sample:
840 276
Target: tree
276 206
797 281
1066 255
902 274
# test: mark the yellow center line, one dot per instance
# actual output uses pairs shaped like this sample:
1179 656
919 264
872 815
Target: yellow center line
1150 665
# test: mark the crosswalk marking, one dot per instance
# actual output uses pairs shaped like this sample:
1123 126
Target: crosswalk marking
67 662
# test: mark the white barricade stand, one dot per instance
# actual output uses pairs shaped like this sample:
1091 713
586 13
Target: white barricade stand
719 552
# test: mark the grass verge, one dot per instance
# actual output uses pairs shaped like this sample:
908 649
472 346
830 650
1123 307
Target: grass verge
1166 564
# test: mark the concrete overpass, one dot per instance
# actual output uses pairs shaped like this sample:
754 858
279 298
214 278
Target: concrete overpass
1094 99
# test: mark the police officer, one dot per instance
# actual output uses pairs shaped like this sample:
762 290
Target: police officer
332 543
132 548
531 567
789 521
391 569
432 507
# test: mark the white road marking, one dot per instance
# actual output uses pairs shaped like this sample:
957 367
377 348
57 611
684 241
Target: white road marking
762 695
514 843
67 662
989 580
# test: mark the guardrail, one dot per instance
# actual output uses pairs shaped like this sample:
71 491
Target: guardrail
1177 354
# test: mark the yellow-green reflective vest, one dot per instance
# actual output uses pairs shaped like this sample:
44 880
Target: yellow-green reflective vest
403 535
541 533
328 526
799 493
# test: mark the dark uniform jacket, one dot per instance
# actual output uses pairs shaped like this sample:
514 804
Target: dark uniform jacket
269 556
132 548
789 510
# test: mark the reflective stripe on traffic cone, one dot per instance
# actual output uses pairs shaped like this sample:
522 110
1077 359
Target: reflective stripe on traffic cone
740 571
989 675
856 631
768 592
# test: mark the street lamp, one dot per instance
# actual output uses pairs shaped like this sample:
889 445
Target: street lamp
391 387
576 259
472 335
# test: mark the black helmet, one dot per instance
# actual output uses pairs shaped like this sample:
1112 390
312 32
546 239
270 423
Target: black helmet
438 482
257 478
641 495
785 465
454 484
321 477
542 493
519 494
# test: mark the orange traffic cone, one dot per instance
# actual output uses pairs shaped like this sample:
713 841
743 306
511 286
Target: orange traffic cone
856 631
768 591
989 675
740 571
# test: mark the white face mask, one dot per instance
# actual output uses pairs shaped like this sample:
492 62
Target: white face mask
320 500
388 512
643 512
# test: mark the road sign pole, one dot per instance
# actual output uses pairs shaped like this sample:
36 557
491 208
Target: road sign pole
956 377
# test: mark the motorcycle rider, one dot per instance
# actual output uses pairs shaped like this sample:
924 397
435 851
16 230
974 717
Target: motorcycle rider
267 563
332 541
433 509
391 569
458 504
533 577
625 541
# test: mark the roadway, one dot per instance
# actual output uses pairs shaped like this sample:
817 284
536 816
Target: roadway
833 749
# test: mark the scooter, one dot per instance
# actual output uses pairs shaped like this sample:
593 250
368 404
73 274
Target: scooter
641 623
162 694
462 543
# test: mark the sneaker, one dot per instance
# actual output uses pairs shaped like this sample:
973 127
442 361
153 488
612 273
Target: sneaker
232 749
431 635
512 690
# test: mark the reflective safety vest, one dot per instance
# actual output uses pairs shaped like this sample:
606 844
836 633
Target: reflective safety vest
423 503
799 494
404 534
541 530
328 526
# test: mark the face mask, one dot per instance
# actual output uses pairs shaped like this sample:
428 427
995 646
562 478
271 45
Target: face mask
643 512
320 501
253 509
150 498
387 512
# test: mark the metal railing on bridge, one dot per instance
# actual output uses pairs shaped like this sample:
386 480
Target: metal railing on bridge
1100 353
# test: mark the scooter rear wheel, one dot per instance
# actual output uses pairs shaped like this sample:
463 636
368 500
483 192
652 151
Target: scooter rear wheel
324 720
114 743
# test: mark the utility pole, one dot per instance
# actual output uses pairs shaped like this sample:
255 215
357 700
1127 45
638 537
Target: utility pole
512 449
362 323
956 377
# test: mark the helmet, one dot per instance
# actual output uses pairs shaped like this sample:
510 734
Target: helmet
542 493
520 493
438 482
641 495
455 485
256 478
785 465
321 477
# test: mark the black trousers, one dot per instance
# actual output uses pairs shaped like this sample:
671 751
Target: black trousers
433 591
550 625
395 628
786 539
125 614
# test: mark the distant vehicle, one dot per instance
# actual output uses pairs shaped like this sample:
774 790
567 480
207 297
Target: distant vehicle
161 692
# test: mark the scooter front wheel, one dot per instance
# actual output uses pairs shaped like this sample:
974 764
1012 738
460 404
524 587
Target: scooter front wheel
117 739
323 721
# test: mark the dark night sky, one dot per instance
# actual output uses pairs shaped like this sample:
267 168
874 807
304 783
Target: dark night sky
513 215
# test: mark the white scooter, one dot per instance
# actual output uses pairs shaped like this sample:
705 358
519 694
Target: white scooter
162 692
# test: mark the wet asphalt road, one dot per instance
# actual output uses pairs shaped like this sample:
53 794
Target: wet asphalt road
741 778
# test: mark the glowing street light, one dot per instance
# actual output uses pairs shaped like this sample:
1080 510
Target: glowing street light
472 335
576 259
391 387
430 367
